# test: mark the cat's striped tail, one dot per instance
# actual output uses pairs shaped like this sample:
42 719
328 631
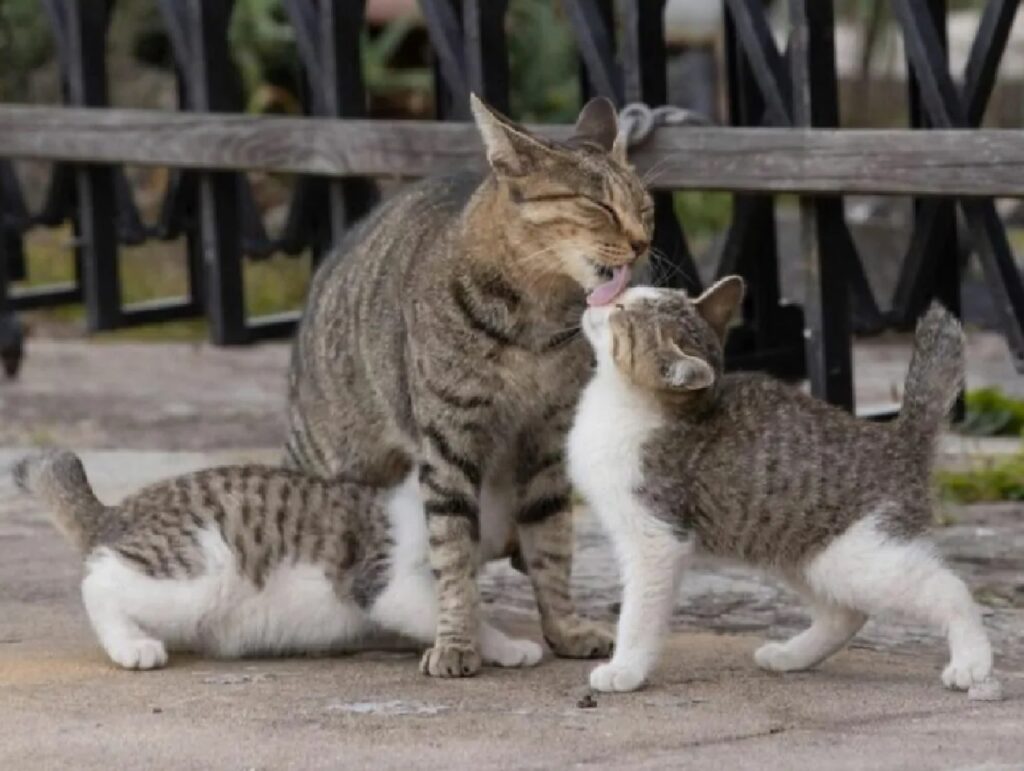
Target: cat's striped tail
57 478
936 373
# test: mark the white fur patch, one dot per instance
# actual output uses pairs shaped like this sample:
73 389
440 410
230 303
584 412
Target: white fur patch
221 612
408 605
613 421
873 572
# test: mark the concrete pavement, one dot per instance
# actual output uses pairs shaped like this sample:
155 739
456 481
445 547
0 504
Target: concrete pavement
879 705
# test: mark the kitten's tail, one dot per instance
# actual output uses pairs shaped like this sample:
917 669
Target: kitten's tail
57 477
936 373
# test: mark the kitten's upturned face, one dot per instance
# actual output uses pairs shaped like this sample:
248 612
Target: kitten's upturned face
661 340
578 207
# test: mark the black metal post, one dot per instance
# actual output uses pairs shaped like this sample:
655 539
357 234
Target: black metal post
451 87
593 24
96 217
11 333
341 23
486 52
826 304
771 336
645 77
931 267
941 102
211 88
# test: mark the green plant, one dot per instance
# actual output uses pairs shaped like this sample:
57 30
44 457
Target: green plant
263 44
703 214
156 269
990 479
25 43
378 52
990 412
543 64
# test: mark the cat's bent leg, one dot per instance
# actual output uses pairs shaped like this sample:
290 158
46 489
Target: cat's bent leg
103 590
831 628
875 572
544 522
546 546
652 558
409 607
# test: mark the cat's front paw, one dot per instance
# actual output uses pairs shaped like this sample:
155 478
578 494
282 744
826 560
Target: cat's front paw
138 653
612 677
447 660
970 668
582 640
776 657
510 652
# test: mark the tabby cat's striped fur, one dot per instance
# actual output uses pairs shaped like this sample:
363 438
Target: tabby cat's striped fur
442 338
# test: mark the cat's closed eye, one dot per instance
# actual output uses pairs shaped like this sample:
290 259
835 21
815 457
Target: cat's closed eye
607 211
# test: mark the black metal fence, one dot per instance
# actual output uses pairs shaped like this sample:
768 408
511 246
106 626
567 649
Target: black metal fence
785 97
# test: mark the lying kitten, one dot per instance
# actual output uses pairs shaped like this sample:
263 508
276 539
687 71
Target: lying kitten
672 454
249 560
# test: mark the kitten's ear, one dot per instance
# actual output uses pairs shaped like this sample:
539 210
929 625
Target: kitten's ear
598 123
719 302
682 372
511 150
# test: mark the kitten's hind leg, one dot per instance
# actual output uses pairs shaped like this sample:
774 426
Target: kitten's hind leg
869 569
938 596
127 644
831 628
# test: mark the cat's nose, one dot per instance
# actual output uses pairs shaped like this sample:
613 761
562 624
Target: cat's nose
639 247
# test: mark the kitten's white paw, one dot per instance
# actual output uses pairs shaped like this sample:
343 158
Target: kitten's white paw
509 652
616 677
777 657
972 667
138 653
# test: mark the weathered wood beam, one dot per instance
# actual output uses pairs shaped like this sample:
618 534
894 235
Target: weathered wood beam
953 162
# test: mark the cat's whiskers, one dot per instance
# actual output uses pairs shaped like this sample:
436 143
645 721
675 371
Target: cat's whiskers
663 262
654 172
533 257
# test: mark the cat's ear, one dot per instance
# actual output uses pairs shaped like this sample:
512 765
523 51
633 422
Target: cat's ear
719 302
598 123
511 150
682 372
620 149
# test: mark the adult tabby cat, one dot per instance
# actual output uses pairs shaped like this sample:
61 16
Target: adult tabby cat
247 560
442 337
674 455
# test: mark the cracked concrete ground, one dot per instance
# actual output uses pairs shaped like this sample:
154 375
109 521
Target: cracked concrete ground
877 705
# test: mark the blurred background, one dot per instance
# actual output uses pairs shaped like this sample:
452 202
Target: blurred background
184 394
544 88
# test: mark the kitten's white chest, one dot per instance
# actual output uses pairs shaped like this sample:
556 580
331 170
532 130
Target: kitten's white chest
604 448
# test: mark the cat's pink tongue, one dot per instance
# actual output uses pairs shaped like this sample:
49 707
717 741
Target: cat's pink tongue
608 291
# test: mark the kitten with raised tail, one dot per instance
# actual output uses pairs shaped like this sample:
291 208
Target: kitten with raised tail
247 560
674 456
